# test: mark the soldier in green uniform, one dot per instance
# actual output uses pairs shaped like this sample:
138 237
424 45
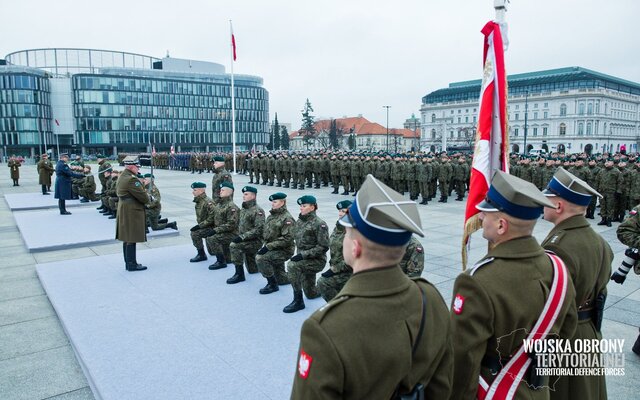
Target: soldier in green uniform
460 177
445 175
609 183
622 200
278 245
355 174
345 174
87 190
225 226
301 172
154 207
286 170
410 176
333 280
311 236
205 208
326 169
383 335
130 221
45 170
317 171
334 169
499 300
220 175
412 262
271 167
14 167
423 172
397 174
103 166
588 259
249 240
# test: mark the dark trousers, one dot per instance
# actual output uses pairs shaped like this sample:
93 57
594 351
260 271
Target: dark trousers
44 189
62 206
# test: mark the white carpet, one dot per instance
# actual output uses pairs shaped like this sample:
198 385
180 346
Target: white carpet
37 201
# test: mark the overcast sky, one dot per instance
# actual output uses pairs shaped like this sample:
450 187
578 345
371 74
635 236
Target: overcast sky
348 57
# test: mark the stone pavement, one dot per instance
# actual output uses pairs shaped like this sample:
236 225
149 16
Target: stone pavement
37 362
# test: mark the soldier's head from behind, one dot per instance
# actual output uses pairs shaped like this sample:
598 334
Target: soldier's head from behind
570 194
198 188
249 193
307 204
379 225
278 200
511 208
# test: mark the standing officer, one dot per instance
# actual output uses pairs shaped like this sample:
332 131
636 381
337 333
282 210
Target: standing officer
130 219
311 236
277 245
45 170
333 280
249 239
588 259
62 191
225 226
384 335
14 167
219 175
205 208
498 302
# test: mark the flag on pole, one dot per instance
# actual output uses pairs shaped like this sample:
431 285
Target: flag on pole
491 141
57 123
173 150
233 43
153 151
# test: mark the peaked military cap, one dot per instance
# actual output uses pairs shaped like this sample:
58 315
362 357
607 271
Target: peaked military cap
131 160
571 188
514 196
218 159
249 189
382 215
198 185
343 204
277 196
307 199
63 155
226 185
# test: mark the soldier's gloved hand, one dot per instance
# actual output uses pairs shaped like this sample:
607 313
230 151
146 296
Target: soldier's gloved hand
297 257
151 199
328 273
195 228
263 250
632 253
236 239
618 278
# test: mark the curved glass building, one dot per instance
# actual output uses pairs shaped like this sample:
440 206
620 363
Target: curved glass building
97 101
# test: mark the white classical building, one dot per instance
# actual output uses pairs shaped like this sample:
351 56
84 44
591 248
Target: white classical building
569 110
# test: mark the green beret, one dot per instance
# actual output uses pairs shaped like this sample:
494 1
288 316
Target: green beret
140 176
277 196
343 204
249 189
226 185
100 156
218 159
307 199
198 185
149 176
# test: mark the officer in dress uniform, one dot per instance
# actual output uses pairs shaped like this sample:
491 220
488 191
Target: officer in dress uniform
588 259
499 300
384 334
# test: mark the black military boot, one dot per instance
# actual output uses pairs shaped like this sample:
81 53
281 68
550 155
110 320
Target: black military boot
278 184
114 214
424 201
272 286
459 198
100 208
285 185
219 264
132 263
441 199
238 276
444 199
163 220
270 183
251 180
199 257
345 193
173 225
301 187
608 222
603 221
335 190
296 305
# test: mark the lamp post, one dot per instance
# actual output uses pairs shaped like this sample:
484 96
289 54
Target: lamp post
526 115
387 107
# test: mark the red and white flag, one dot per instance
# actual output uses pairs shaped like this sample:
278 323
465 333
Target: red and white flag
233 43
57 123
173 150
153 151
491 141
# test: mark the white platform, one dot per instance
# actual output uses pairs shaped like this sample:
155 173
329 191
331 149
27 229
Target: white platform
37 201
177 330
48 230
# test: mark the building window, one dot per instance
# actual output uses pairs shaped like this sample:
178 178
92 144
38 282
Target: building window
535 115
517 106
563 130
546 105
433 134
515 131
535 105
545 115
544 131
466 119
451 134
474 119
580 128
581 109
597 107
563 109
590 109
460 111
535 131
433 117
459 119
589 128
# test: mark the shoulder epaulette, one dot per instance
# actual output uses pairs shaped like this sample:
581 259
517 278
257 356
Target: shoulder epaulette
325 309
555 239
479 264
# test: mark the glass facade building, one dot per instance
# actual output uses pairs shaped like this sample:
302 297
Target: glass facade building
116 107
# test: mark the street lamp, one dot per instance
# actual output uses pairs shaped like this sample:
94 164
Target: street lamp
387 107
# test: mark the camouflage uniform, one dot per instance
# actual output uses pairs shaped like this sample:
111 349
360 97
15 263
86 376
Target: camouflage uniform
445 174
410 176
225 226
609 184
345 174
398 170
312 242
205 208
335 167
220 175
356 173
460 172
251 229
340 272
153 210
88 188
278 239
412 263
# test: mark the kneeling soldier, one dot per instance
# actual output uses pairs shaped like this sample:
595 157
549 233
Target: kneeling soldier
204 216
154 207
225 226
334 279
249 240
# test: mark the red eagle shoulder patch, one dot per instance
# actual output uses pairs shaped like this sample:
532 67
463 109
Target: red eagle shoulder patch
419 249
304 364
458 303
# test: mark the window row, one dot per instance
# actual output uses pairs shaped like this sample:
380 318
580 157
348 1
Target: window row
24 96
91 96
167 86
9 81
158 138
86 110
24 110
125 124
24 124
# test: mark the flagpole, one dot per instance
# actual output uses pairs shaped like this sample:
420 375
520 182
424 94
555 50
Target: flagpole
501 8
233 100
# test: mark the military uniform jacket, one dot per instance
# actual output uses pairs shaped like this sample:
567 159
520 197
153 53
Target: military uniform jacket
412 263
251 223
14 168
502 296
609 180
89 184
155 193
226 214
130 218
221 175
336 259
278 230
311 236
205 208
45 170
358 346
629 231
